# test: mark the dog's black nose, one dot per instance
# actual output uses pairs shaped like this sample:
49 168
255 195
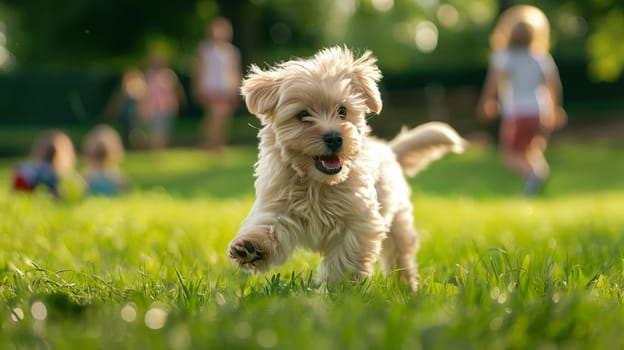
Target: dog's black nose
333 141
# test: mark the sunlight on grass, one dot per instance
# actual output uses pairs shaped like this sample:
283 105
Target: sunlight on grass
150 270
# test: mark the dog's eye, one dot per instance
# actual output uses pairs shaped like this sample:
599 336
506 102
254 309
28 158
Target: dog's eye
342 112
302 115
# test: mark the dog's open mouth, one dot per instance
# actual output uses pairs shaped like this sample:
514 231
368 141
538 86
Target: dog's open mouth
329 165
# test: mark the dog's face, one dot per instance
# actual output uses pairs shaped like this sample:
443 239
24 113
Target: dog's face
315 110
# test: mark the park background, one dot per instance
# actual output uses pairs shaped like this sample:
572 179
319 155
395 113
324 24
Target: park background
60 70
149 270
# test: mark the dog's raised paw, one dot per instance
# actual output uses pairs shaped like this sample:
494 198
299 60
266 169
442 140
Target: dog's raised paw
246 254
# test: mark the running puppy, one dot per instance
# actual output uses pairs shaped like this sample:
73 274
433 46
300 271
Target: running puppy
322 182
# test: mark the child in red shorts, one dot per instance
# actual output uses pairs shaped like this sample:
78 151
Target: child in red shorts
524 80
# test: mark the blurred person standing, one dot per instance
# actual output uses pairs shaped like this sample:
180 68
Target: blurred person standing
124 105
524 81
160 103
132 90
217 75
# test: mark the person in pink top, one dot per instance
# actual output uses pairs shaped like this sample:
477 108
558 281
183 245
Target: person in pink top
216 82
524 81
161 100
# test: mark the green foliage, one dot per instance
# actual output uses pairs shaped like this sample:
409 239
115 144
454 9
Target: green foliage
115 33
96 33
605 47
149 269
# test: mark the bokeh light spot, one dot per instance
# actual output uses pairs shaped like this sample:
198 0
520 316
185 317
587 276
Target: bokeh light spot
571 24
242 330
556 298
346 7
39 311
495 293
266 338
128 313
383 5
426 36
155 318
448 15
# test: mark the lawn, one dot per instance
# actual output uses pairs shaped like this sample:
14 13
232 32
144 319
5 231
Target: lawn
149 269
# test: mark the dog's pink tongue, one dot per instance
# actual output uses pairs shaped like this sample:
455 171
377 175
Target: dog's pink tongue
331 162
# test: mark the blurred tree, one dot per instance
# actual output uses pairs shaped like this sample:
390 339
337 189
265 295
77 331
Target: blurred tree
404 34
605 46
70 33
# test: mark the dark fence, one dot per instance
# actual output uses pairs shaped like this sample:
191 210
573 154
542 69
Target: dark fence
81 97
41 97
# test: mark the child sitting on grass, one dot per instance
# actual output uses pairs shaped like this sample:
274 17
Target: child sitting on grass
103 151
52 156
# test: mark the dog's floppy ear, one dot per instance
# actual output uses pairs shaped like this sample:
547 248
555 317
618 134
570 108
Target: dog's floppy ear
261 91
366 74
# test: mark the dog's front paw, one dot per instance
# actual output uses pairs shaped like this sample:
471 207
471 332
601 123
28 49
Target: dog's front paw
248 254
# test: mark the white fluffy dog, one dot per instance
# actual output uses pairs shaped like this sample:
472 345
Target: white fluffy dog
322 182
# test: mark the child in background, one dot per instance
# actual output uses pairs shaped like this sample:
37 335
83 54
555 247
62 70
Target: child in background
132 90
52 157
216 81
103 150
161 101
123 105
524 79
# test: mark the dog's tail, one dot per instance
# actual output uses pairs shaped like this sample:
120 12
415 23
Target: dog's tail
418 147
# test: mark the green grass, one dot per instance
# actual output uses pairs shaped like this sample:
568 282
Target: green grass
497 271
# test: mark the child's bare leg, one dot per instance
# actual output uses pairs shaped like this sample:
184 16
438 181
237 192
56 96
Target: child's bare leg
539 168
216 126
535 156
517 161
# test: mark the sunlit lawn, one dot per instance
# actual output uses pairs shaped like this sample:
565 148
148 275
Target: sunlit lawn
149 269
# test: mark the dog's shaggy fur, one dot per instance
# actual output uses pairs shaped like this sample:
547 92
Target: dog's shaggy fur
322 182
